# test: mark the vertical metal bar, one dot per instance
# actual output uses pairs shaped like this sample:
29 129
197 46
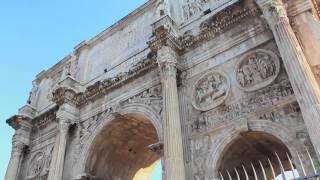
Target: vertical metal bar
272 169
281 167
230 178
301 164
291 165
312 163
254 172
263 171
245 172
237 173
221 177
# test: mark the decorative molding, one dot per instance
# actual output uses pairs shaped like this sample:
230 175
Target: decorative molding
151 97
46 118
257 69
65 94
164 30
299 6
210 91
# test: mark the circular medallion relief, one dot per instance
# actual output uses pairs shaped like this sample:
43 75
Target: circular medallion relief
257 69
36 165
210 90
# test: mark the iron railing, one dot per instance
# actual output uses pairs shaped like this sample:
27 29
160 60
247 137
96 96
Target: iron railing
258 171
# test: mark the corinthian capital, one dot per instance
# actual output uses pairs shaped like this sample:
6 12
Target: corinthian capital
21 138
167 60
273 10
166 55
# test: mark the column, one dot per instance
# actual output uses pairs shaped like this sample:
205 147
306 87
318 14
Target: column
307 29
20 141
16 156
173 151
300 74
57 163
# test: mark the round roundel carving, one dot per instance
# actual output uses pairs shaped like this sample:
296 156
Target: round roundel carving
210 90
36 165
257 69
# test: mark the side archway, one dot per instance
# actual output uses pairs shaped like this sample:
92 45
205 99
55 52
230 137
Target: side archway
119 145
275 135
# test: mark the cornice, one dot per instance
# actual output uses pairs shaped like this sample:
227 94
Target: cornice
299 6
165 30
19 121
78 98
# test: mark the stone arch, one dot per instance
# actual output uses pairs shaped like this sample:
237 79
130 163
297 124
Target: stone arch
282 133
135 110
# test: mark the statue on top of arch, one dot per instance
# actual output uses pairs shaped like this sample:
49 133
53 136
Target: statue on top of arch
193 7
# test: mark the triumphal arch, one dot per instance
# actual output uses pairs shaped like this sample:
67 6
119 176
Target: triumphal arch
215 89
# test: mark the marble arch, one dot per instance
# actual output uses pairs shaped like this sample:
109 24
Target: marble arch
148 64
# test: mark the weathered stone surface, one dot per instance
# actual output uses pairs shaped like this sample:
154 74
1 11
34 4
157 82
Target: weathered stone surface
203 85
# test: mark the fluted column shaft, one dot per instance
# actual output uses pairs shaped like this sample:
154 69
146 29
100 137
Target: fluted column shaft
173 150
15 160
300 74
57 163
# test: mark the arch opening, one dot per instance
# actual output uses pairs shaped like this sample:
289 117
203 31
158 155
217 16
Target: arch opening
249 155
121 148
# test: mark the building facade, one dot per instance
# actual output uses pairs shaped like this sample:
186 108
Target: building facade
205 86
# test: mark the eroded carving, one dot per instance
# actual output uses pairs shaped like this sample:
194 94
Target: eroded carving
257 70
36 165
210 91
151 97
200 148
280 93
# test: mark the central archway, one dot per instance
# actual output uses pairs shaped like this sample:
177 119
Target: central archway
121 148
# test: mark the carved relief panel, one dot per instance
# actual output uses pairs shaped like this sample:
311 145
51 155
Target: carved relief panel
36 165
194 8
210 91
39 164
257 69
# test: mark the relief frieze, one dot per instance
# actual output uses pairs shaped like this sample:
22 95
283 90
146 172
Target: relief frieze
264 99
210 91
257 69
151 97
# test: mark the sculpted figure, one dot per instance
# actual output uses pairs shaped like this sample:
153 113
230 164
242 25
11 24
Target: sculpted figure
258 69
191 8
211 90
241 78
33 93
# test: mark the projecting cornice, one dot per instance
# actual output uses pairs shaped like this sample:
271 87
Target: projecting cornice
165 31
71 92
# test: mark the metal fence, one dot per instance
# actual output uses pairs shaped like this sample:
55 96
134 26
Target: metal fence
268 170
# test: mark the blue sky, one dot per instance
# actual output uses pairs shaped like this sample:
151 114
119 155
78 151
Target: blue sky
34 35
